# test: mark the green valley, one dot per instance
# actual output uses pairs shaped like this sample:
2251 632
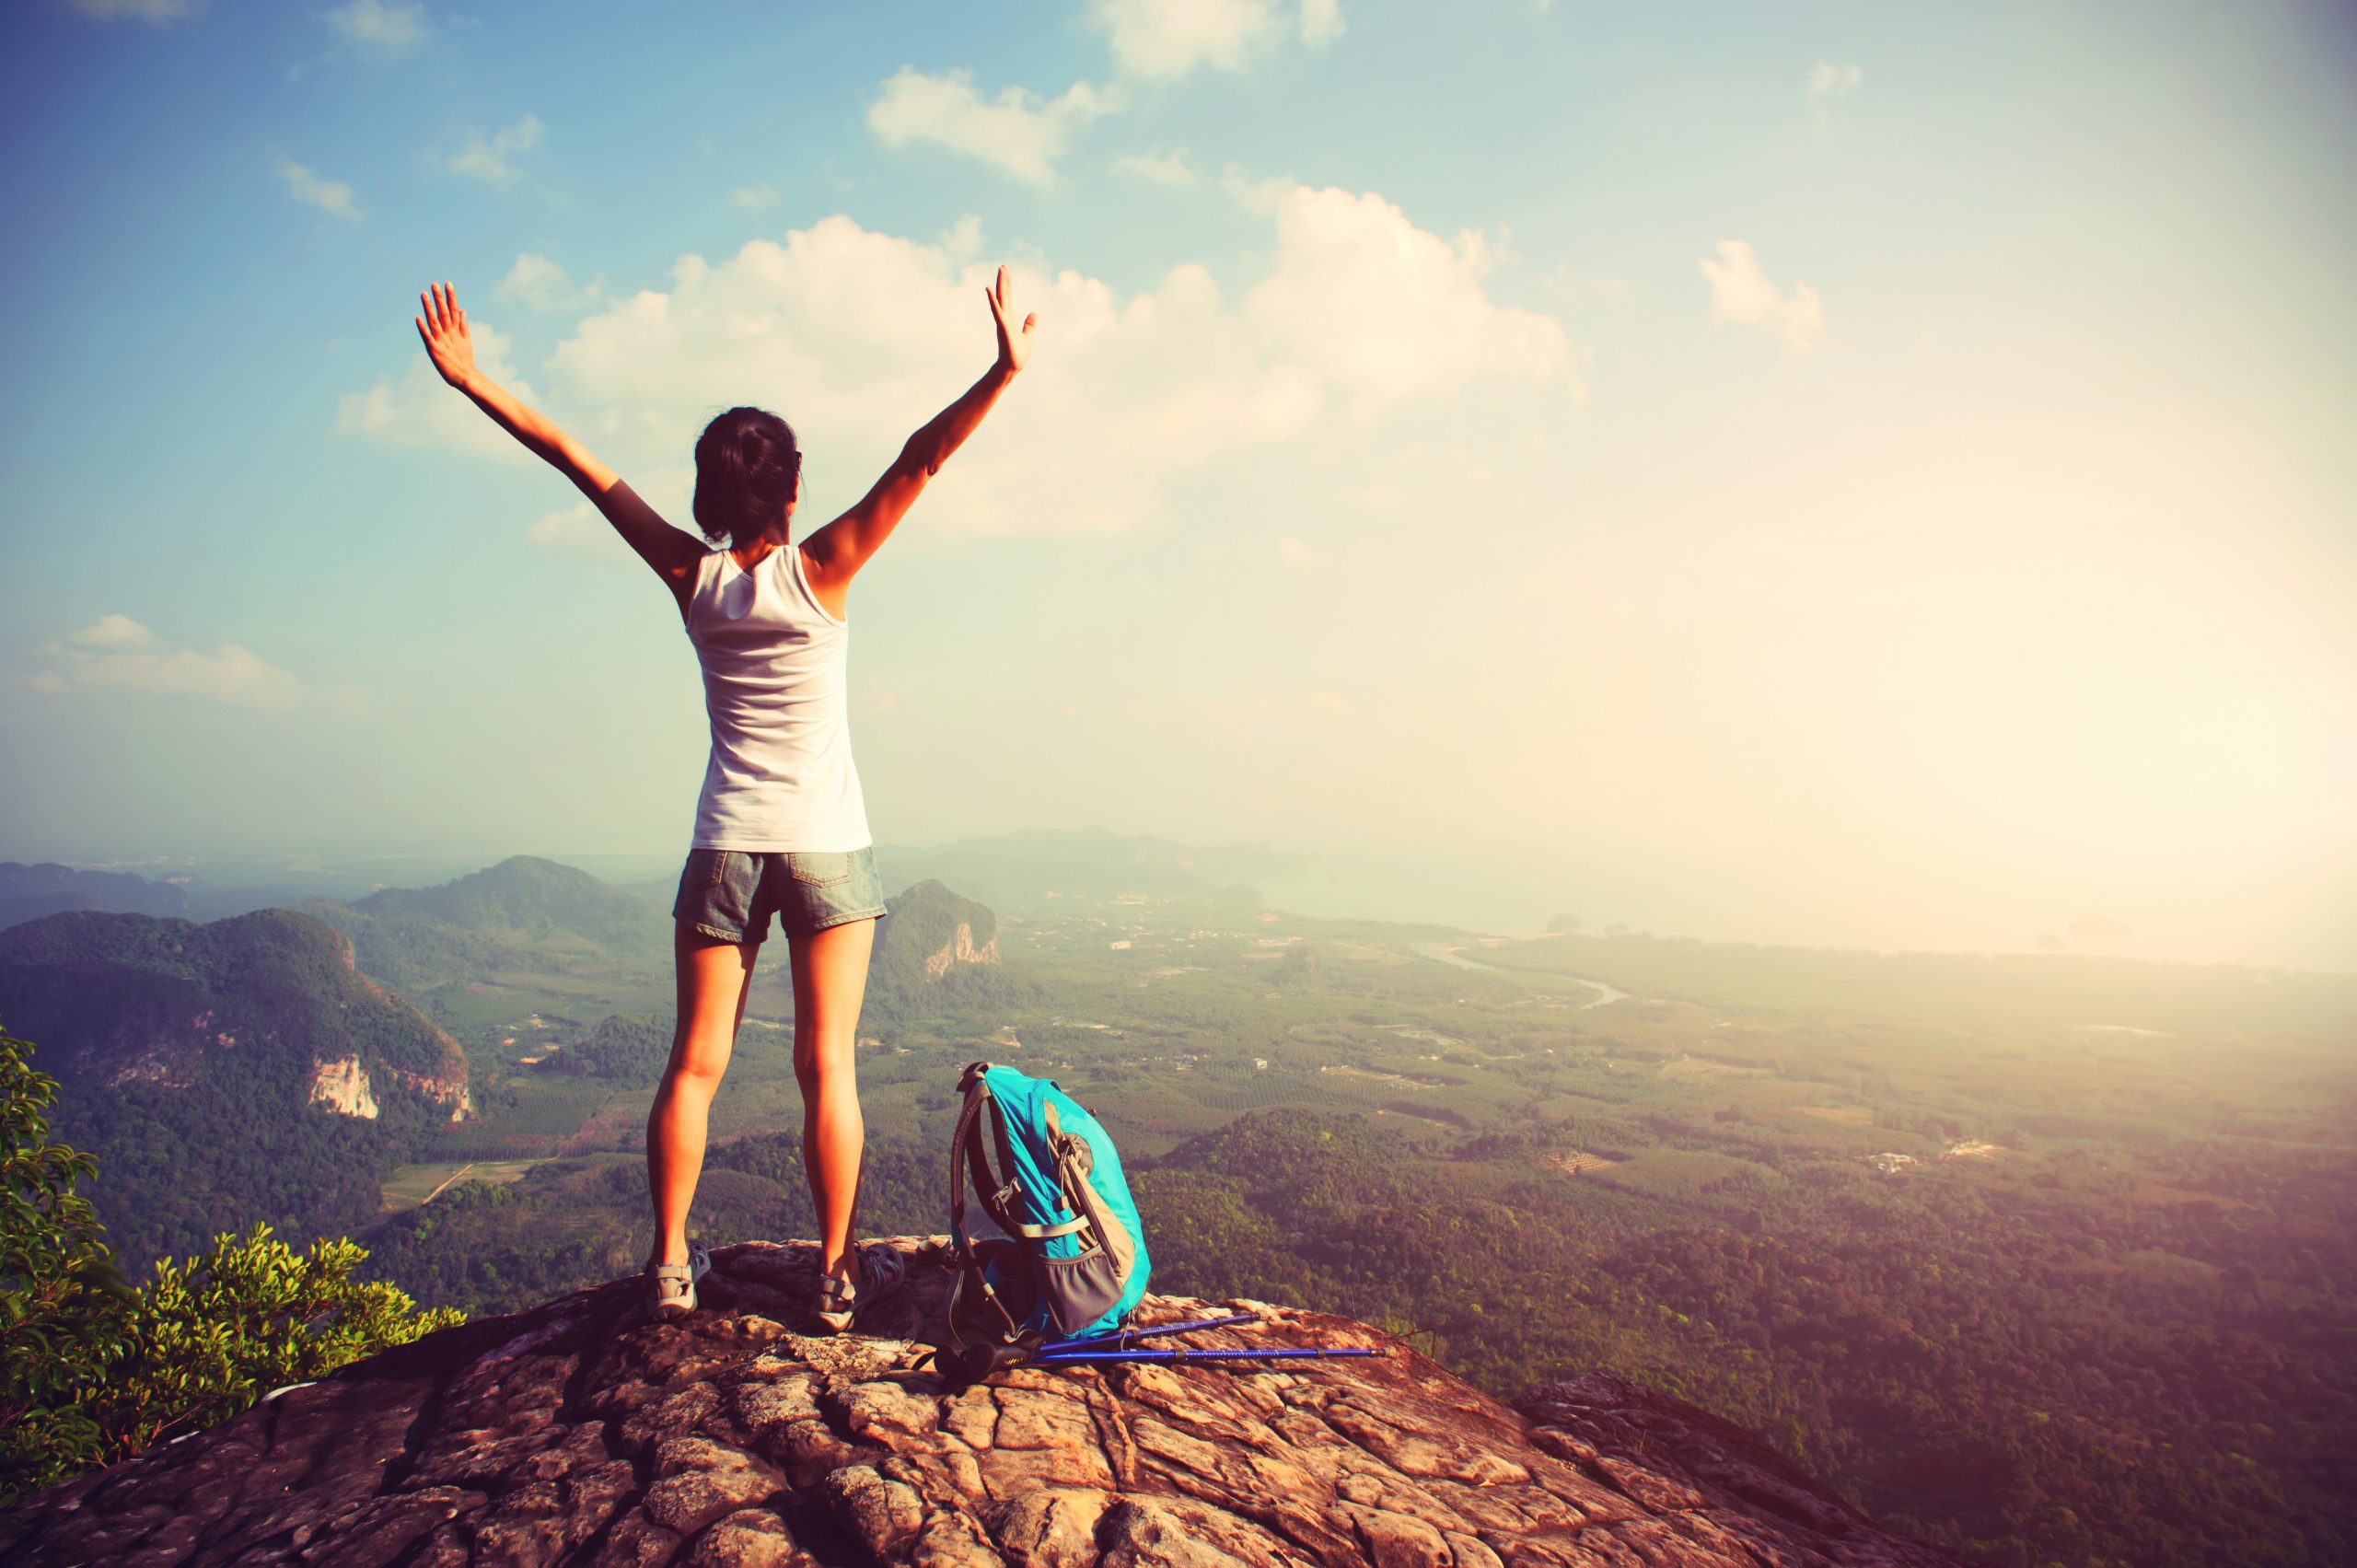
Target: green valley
2043 1257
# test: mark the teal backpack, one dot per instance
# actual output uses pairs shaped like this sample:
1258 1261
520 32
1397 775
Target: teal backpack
1072 1263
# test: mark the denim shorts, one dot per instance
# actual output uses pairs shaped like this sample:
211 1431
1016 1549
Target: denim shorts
729 894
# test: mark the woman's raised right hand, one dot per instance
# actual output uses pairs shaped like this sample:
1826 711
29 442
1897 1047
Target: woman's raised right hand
1013 347
443 328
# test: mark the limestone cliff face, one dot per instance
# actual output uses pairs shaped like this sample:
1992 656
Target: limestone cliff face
452 1091
125 1000
960 949
447 1083
585 1432
342 1087
933 937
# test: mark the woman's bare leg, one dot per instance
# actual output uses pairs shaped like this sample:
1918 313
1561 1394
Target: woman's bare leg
829 984
714 977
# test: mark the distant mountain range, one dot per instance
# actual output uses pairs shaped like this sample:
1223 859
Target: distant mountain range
225 1072
523 892
1024 871
936 947
28 892
417 939
936 953
255 1068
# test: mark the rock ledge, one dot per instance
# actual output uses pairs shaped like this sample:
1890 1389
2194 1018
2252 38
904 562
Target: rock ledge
585 1432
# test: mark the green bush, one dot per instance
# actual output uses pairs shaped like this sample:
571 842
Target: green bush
62 1301
95 1371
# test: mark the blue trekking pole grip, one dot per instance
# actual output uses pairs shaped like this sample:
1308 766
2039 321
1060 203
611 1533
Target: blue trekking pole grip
1128 1336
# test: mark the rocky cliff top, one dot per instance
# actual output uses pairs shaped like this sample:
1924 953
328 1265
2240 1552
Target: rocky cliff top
586 1432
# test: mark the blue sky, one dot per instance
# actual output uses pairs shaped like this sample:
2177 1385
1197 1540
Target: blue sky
1855 474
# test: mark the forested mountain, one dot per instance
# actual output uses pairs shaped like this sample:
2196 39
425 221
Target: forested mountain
524 891
1996 1366
935 956
415 939
226 1072
625 1048
28 892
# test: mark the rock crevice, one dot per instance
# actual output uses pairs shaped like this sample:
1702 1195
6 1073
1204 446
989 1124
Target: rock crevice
588 1432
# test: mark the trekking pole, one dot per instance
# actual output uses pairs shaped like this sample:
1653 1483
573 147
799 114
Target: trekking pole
1172 1356
1128 1336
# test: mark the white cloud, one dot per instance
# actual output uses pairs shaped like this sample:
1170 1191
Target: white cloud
1384 310
1018 133
421 409
540 284
859 336
754 198
1827 80
579 528
1740 292
390 28
487 158
1162 168
962 240
117 651
1321 22
328 195
1293 551
1170 38
161 13
1828 84
113 632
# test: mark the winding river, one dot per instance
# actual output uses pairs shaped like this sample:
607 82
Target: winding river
1451 956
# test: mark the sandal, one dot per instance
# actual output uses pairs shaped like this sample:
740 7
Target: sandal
675 1283
880 1267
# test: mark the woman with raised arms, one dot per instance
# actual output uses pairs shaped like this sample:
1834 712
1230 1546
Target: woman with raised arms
780 827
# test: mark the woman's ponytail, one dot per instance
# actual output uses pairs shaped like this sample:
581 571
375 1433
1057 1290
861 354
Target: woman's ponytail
746 463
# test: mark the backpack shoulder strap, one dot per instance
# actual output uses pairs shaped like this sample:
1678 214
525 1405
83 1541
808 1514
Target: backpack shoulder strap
969 1158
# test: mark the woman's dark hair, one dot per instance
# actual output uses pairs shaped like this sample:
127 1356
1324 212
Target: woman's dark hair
747 461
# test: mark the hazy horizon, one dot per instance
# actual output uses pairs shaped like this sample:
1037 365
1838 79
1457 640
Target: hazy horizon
1496 902
1843 477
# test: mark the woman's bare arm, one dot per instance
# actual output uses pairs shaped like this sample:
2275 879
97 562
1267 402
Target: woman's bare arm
670 551
839 550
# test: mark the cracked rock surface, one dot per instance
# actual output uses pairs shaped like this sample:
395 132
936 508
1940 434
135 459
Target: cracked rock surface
585 1431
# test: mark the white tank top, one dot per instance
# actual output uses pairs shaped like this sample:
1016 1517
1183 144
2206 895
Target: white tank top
781 775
